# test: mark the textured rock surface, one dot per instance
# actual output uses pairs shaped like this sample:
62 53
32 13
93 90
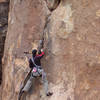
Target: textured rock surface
3 29
52 4
3 0
26 23
72 52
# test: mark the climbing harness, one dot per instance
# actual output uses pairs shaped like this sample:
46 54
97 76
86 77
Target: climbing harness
34 69
37 68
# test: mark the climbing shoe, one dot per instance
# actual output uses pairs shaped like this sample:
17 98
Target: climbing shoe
49 94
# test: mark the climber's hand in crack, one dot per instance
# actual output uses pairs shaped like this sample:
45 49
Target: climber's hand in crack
49 94
42 50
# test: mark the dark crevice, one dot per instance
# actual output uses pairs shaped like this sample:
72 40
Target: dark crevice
4 9
52 4
56 4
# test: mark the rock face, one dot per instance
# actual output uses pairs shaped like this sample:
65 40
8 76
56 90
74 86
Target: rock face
3 29
72 59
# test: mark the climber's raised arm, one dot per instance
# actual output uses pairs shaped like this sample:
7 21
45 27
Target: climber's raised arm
40 54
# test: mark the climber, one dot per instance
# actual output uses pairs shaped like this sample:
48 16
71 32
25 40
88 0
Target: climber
36 57
37 70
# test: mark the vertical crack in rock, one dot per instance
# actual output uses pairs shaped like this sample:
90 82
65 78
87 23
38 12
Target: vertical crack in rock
52 4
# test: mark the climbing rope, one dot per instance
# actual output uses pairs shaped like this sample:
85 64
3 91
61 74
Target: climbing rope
23 84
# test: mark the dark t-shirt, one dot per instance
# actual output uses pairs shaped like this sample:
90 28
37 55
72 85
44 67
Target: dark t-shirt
37 60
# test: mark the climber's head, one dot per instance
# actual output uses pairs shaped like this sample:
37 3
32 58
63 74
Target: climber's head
34 52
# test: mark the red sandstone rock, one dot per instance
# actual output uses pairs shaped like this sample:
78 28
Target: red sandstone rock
72 60
3 0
